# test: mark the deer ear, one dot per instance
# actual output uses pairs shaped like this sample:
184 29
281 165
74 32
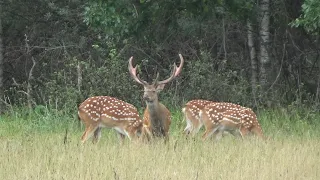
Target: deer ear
160 87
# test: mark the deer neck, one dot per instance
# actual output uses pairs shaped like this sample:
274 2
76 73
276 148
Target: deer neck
156 118
154 108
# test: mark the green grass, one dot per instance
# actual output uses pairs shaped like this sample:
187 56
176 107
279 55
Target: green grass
32 147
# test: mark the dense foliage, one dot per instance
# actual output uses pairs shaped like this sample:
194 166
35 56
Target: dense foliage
57 53
310 17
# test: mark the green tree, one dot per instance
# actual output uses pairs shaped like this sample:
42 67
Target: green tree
310 17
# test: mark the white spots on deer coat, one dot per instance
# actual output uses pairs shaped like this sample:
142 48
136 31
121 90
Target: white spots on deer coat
218 112
106 111
194 107
109 107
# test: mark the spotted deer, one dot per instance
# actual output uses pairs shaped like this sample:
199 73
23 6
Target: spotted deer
218 117
105 111
157 118
191 112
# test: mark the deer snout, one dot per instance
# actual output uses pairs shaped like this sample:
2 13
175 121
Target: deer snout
146 97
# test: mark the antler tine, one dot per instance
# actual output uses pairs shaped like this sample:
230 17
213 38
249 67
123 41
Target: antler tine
181 65
133 72
175 71
156 80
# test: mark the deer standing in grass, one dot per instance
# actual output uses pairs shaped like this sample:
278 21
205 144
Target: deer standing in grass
105 111
157 118
243 119
218 117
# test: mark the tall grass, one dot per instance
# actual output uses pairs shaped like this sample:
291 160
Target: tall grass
33 145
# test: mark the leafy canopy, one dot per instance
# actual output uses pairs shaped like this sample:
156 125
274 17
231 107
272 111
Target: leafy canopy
310 18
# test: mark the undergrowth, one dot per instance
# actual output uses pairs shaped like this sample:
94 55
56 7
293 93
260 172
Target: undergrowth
275 123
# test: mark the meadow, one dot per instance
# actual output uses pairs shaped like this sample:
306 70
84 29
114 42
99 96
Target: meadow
45 144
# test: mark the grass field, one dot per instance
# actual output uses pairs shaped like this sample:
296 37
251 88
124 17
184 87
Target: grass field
34 147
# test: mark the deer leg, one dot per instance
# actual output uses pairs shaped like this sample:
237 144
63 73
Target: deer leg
132 133
144 137
96 135
146 133
188 128
218 135
196 128
88 132
163 132
121 137
236 133
244 132
209 132
166 138
258 132
206 135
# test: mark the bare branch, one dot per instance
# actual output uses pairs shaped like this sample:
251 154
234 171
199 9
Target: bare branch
30 76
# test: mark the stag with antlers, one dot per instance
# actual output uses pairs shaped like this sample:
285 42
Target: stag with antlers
157 118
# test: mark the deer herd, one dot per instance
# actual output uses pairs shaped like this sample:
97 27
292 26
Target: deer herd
216 117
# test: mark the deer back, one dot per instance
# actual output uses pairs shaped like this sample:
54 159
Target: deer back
193 108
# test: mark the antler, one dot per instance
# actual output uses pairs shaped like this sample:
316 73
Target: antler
133 73
175 71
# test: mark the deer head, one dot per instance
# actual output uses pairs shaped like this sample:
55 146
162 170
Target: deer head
151 90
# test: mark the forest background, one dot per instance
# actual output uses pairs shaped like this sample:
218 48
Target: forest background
260 54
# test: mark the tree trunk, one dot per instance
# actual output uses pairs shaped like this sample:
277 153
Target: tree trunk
30 76
224 39
253 60
264 44
79 74
1 65
318 90
318 87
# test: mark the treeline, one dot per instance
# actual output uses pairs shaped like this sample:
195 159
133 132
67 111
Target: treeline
256 53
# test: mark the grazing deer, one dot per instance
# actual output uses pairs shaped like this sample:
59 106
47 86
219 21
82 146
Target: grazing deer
157 118
105 111
191 114
235 119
